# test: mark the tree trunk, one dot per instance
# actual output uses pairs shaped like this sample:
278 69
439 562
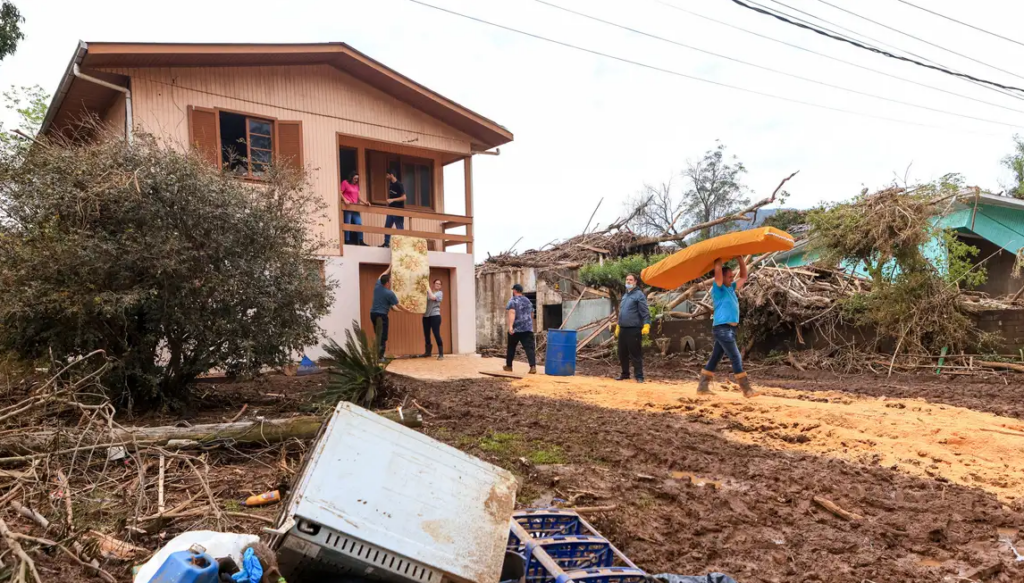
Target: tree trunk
243 432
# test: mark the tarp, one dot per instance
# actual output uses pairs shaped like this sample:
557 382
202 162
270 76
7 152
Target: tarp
410 272
699 259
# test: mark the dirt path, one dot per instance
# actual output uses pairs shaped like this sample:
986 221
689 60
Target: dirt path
960 445
693 494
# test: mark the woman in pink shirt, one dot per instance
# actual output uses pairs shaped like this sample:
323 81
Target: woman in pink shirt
350 195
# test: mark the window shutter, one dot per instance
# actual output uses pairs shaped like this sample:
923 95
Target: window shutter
204 133
289 143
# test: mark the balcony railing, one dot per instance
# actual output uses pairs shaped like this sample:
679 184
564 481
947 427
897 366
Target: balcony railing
425 224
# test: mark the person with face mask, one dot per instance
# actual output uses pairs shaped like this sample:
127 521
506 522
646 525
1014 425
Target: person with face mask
634 324
724 327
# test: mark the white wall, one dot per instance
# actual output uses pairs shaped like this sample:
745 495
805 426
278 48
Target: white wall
345 271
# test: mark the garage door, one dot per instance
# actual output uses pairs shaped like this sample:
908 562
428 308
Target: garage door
405 336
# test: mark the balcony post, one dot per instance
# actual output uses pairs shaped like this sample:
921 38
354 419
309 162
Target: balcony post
468 167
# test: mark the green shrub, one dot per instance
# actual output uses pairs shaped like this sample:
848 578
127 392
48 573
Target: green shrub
612 275
157 257
360 374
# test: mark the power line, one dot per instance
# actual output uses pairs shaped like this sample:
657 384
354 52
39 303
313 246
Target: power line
670 71
977 28
881 43
870 48
837 59
769 69
919 39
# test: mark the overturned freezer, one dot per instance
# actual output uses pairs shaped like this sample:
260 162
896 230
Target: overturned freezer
381 501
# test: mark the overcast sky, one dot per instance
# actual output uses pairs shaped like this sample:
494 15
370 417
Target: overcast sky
588 127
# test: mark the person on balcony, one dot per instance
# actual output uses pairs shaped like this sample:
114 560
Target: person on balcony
432 320
396 199
350 195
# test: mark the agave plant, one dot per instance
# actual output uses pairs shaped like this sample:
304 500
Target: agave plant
359 372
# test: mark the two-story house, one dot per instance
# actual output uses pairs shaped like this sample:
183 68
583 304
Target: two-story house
328 108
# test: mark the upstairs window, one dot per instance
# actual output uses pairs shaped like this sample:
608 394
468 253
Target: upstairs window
246 144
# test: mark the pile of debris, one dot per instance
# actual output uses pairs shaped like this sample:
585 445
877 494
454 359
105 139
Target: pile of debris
570 254
76 485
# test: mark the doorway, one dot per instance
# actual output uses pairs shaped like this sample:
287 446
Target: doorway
405 332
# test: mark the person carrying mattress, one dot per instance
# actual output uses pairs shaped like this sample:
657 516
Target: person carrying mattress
725 326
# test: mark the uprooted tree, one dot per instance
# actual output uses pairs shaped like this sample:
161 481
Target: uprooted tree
164 262
889 235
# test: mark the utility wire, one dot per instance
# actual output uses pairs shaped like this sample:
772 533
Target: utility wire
670 71
977 28
832 58
863 46
769 69
879 43
919 39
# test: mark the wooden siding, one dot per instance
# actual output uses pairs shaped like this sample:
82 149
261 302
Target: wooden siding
114 117
405 331
327 101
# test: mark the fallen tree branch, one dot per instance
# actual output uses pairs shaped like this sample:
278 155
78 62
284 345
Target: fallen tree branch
836 510
26 562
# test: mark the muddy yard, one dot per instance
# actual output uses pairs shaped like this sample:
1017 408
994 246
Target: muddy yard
926 473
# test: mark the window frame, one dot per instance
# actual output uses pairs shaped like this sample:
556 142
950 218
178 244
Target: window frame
412 187
248 141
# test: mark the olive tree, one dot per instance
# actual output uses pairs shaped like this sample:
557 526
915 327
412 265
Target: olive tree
169 265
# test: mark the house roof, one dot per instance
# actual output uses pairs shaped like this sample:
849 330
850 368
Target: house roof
74 94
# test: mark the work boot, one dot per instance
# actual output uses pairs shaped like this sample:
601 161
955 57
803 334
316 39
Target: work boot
622 377
440 356
506 368
533 370
744 383
640 380
704 386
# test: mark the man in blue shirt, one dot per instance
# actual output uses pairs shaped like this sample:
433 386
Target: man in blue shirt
384 300
726 321
519 322
634 324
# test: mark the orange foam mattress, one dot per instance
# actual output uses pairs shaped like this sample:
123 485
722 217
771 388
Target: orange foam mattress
699 259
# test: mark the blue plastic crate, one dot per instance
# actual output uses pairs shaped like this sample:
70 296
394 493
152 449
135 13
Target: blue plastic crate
604 575
570 552
547 522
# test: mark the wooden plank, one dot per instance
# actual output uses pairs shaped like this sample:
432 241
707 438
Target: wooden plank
468 168
412 214
406 233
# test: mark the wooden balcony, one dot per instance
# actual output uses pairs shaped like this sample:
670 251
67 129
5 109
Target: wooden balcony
418 223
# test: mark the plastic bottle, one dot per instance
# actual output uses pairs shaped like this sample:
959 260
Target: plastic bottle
191 566
263 499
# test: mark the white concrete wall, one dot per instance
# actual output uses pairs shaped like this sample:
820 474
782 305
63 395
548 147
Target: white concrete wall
345 271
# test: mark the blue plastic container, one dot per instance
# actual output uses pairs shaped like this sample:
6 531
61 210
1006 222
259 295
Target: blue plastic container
561 354
187 567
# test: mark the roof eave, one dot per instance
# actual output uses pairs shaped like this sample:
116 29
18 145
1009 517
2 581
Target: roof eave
65 86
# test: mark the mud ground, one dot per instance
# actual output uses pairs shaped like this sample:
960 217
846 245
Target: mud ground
689 500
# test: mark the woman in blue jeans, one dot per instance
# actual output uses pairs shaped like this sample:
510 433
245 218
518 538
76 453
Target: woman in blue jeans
726 322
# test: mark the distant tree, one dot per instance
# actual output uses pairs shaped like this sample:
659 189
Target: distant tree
10 29
660 208
783 219
30 103
1015 164
715 189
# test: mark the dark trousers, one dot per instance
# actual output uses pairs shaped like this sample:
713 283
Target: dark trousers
393 222
352 218
383 319
529 347
631 350
725 344
432 324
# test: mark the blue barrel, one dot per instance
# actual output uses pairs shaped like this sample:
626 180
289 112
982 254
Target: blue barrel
187 567
561 354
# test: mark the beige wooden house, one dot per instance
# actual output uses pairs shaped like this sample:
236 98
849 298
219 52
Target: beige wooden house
327 107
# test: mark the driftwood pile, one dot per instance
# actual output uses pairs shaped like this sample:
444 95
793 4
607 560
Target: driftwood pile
77 485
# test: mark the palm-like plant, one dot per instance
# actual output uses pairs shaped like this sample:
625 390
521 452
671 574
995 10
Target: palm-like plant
359 372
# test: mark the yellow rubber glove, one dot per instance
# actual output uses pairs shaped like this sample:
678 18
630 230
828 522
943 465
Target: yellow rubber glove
646 330
616 331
